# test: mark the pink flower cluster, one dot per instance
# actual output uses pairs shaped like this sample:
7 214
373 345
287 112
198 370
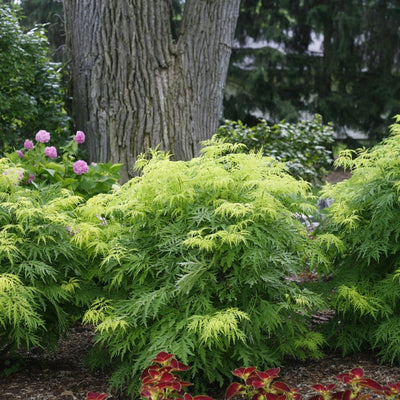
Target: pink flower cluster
28 144
42 136
79 137
80 167
50 152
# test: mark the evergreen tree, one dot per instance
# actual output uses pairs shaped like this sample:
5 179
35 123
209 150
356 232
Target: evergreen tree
338 59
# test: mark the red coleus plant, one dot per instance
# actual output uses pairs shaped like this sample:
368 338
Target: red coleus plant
159 381
97 396
259 385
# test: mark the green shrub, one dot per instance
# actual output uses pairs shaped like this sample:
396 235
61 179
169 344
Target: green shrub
305 147
42 273
31 95
197 258
365 215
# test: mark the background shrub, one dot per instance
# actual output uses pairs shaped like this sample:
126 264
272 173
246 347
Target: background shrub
196 257
305 146
365 215
31 94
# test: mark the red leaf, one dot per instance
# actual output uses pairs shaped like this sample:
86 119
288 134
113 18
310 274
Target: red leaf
319 388
270 373
282 387
337 396
167 385
244 373
167 377
274 396
256 382
187 396
97 396
322 388
202 397
371 384
185 384
271 396
162 357
395 387
357 372
145 393
233 389
317 397
347 395
178 366
345 377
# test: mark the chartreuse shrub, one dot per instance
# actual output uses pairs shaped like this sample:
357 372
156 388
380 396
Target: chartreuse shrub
42 272
305 146
196 257
365 289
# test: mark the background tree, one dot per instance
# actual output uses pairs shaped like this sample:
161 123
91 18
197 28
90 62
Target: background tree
338 59
31 94
49 13
137 83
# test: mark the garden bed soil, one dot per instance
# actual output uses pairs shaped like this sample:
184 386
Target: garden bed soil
62 375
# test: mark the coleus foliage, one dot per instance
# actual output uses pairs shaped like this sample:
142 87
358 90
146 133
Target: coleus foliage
159 381
260 385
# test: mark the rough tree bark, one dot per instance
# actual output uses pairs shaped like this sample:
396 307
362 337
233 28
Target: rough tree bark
136 87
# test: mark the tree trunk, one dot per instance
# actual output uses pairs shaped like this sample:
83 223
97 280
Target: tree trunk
134 87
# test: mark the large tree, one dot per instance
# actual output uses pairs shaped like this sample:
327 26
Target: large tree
137 83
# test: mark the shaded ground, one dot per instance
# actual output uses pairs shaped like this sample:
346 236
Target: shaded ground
63 376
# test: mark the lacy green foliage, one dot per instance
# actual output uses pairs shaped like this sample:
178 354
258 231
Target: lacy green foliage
303 146
366 217
42 284
195 257
30 84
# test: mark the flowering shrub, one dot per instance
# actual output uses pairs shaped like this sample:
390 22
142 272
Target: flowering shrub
42 165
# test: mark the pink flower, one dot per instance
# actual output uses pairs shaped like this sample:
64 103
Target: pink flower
50 152
28 144
30 179
80 167
79 137
20 154
42 136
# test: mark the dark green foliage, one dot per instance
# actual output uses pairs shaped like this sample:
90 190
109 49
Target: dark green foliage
31 96
366 217
334 58
304 146
42 273
49 13
196 258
